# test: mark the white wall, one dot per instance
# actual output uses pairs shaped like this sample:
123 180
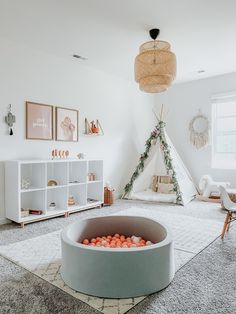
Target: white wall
183 102
124 112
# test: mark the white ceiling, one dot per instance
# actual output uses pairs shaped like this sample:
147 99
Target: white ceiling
109 32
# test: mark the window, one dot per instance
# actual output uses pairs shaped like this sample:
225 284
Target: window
224 131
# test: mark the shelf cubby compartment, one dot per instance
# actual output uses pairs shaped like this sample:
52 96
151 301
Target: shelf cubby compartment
77 172
95 192
33 200
96 167
57 171
79 193
59 197
35 174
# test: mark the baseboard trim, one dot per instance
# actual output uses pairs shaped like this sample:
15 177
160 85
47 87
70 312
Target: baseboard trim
4 221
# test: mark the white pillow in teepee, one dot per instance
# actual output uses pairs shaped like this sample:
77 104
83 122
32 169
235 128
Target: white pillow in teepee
165 188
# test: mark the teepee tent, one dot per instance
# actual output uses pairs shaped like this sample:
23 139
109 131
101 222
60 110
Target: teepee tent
160 159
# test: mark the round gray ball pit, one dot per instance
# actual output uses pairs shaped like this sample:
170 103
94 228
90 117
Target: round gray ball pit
117 273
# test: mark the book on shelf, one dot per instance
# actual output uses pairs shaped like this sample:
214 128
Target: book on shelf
35 212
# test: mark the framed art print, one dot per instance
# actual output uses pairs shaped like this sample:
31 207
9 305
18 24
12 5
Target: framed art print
67 124
39 121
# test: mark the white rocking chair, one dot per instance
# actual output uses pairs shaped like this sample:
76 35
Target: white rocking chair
231 210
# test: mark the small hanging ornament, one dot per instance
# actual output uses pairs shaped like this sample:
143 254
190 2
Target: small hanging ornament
10 119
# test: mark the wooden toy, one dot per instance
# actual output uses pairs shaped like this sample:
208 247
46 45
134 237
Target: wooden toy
52 183
71 200
62 154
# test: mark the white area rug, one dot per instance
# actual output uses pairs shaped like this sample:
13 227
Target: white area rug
42 255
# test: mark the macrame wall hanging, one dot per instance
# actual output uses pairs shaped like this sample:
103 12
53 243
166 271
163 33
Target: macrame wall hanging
199 130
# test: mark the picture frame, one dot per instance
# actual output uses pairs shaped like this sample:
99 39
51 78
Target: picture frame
67 124
39 121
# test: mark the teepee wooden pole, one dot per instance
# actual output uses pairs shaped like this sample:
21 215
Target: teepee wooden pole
166 114
155 115
161 115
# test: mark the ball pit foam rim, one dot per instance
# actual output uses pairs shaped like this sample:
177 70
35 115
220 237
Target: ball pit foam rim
65 237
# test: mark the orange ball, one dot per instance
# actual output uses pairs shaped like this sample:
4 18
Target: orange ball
86 241
122 238
117 241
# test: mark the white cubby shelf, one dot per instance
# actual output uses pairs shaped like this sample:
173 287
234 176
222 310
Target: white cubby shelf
71 176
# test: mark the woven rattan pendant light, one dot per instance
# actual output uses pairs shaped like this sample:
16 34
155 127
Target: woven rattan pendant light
155 65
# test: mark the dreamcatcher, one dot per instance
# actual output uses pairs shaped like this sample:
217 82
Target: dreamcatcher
199 131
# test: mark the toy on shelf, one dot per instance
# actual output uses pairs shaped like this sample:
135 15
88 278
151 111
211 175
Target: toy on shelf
52 183
60 154
74 181
91 177
92 128
71 200
25 212
91 200
52 206
25 184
